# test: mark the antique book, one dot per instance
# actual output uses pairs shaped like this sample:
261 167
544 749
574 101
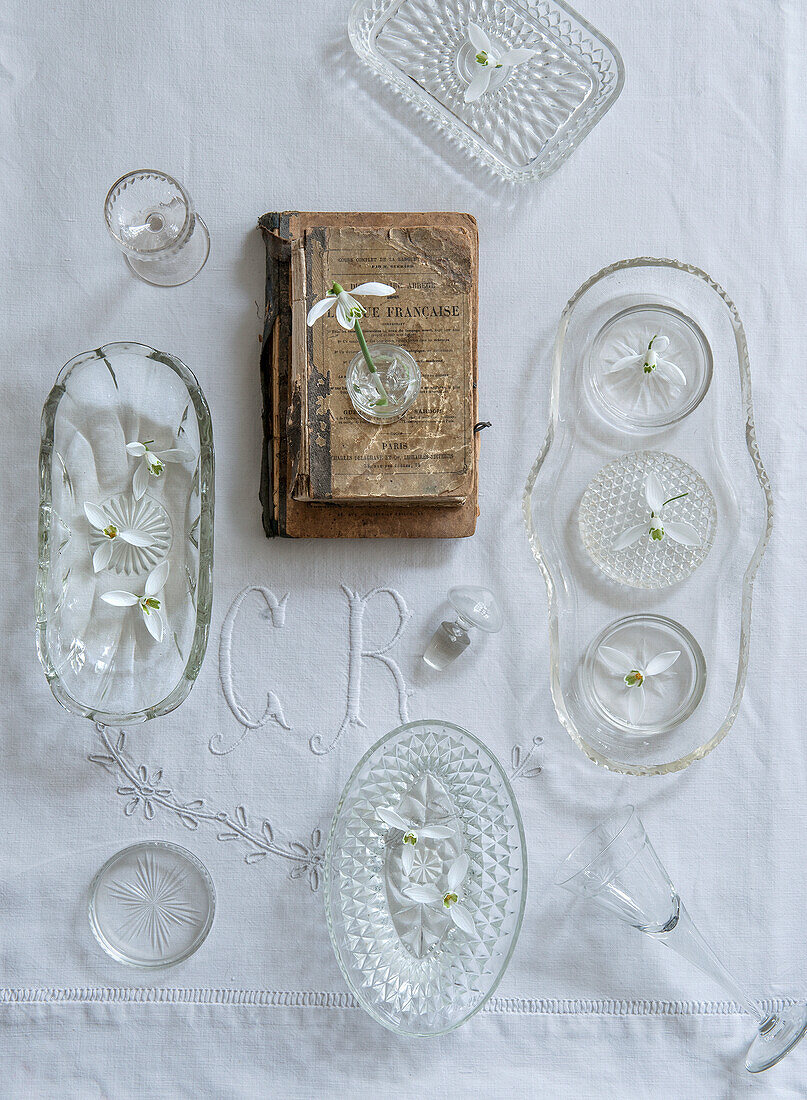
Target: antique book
427 457
291 506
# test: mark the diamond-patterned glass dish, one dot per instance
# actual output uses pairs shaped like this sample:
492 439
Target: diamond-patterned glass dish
412 967
615 501
533 113
649 504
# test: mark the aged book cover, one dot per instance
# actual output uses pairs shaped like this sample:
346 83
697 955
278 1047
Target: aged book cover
284 456
428 456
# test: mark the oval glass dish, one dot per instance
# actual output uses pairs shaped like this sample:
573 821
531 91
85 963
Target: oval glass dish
124 582
427 811
648 511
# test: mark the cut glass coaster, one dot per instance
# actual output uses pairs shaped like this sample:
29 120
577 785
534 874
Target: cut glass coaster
152 905
615 502
409 963
534 111
146 517
643 674
643 392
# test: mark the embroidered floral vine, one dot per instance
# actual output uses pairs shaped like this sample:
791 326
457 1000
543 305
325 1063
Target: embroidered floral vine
144 788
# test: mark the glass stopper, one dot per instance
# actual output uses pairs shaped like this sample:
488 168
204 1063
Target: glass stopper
475 607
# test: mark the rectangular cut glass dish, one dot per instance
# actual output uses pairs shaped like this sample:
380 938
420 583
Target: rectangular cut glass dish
648 511
114 532
533 113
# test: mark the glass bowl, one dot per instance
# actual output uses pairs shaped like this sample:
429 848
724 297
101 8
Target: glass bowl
152 905
106 548
534 114
409 965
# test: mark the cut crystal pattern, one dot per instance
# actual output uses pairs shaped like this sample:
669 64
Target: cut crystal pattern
152 904
152 901
532 114
427 802
615 500
429 977
146 517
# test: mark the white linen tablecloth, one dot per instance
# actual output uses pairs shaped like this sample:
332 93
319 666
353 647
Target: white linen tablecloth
259 106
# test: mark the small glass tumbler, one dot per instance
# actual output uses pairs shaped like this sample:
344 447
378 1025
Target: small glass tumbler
386 396
151 219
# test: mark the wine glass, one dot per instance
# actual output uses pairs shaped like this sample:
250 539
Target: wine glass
151 218
616 867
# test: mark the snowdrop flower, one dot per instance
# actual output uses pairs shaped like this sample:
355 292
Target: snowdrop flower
649 368
149 602
152 463
487 60
658 525
635 674
450 900
412 833
348 310
101 522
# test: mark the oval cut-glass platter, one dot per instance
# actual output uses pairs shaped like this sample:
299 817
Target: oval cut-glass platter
426 878
124 584
648 511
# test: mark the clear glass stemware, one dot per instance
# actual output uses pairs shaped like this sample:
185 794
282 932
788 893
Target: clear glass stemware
151 218
616 867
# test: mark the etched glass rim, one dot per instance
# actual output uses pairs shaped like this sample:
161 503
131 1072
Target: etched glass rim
563 143
348 788
204 599
565 872
159 250
202 934
744 364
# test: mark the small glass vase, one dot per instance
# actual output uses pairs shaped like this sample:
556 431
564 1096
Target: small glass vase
387 396
151 218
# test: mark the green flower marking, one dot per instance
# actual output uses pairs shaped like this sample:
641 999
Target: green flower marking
449 899
634 678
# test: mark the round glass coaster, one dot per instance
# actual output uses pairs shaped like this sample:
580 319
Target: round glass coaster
643 674
152 905
649 367
620 530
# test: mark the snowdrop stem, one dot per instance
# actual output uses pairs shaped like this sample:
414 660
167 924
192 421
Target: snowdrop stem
671 499
370 364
